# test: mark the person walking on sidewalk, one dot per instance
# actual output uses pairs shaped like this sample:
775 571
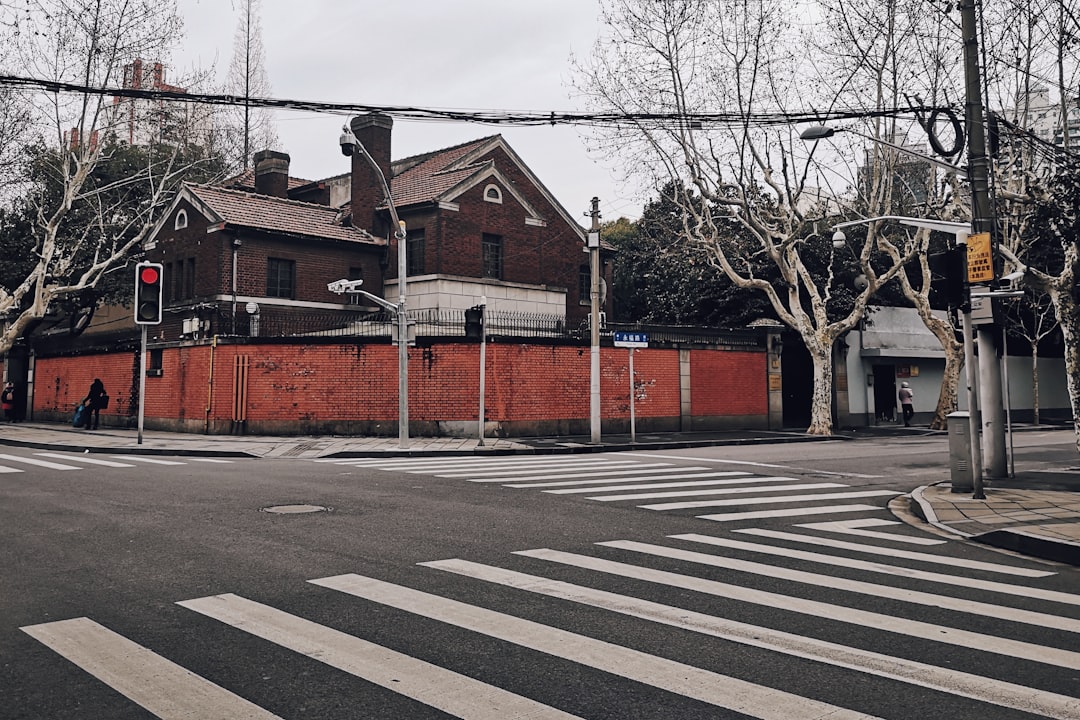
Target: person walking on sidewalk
96 399
907 402
7 401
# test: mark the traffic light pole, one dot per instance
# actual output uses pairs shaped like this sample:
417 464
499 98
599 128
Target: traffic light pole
142 381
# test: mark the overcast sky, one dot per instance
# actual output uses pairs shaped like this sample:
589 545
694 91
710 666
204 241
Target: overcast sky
459 54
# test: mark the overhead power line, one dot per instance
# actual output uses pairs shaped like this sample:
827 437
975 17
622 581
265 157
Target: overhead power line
489 117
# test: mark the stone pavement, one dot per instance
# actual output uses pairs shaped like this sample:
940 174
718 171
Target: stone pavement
1036 513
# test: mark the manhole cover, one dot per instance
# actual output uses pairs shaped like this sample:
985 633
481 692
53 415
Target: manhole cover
294 509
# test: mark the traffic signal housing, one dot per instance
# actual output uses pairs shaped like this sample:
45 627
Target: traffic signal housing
148 293
949 276
474 323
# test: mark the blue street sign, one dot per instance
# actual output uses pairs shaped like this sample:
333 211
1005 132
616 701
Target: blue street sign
631 339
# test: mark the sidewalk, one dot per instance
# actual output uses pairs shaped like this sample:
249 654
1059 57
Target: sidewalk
1034 513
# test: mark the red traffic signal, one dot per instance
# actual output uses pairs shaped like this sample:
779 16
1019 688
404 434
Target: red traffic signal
148 293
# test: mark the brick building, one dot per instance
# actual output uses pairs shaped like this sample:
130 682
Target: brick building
265 245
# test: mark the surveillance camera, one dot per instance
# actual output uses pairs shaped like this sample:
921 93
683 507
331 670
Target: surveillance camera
1012 281
838 239
347 141
344 286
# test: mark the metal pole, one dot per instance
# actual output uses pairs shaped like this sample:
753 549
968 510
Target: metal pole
483 366
1008 400
982 220
594 324
142 381
403 339
633 397
969 374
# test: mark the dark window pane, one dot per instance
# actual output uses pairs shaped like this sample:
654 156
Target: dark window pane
414 253
280 275
492 256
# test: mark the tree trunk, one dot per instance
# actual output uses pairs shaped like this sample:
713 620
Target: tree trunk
1035 383
1066 308
950 383
821 402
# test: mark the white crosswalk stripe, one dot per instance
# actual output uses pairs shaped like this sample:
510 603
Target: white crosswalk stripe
594 476
172 692
859 525
87 460
720 690
163 688
38 463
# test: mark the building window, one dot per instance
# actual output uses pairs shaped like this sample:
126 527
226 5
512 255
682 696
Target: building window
280 278
356 273
492 251
189 278
492 193
584 285
414 253
181 220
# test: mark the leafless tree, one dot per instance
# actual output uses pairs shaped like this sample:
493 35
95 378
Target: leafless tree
248 129
88 43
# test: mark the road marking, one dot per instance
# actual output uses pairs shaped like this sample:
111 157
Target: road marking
963 605
838 613
996 692
720 690
663 485
765 465
87 460
432 685
39 463
508 469
210 460
674 475
858 527
788 512
144 459
160 686
720 491
611 475
640 469
451 462
891 552
764 500
5 469
991 585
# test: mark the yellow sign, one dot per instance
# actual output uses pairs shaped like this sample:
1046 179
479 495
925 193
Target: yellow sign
980 258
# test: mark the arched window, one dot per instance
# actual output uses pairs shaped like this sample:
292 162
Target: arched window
492 193
181 220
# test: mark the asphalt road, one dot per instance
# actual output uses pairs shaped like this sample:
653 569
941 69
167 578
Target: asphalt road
776 607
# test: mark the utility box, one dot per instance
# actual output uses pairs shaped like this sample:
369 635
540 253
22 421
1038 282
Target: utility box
963 475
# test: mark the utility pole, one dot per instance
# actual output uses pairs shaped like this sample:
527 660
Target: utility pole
594 323
982 221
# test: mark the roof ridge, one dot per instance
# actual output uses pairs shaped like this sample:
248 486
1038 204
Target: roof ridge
261 196
422 157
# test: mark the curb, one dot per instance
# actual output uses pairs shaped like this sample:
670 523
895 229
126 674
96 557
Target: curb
1017 540
139 450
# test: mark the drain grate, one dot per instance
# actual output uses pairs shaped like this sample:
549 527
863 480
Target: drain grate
293 509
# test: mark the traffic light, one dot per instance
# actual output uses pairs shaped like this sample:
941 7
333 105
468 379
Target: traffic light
949 276
148 296
474 322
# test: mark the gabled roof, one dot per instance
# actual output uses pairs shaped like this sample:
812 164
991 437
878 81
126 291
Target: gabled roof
442 175
273 214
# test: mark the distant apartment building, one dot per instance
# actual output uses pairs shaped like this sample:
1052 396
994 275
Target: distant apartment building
1042 115
147 120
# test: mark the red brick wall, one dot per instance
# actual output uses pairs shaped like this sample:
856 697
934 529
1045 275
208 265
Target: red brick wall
531 389
728 383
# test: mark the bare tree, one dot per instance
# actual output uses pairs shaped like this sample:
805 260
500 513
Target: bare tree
250 128
88 43
756 221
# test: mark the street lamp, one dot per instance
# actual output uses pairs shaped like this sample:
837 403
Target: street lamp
350 145
820 132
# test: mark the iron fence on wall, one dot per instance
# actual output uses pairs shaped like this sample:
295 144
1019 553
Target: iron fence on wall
452 323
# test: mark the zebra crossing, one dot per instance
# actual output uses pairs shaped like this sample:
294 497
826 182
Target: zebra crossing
709 590
650 483
12 463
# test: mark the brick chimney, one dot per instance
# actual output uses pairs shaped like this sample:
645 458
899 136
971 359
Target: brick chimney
272 173
373 131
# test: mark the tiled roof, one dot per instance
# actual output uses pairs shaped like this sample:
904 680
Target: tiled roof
423 178
274 214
